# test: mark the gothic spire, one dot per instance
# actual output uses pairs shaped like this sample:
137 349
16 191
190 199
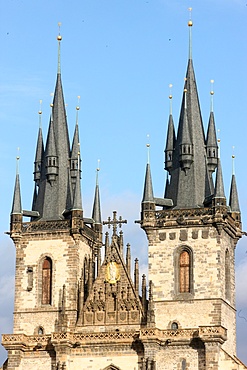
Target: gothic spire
96 214
39 152
53 188
233 199
188 167
75 161
16 205
148 195
211 141
219 184
170 140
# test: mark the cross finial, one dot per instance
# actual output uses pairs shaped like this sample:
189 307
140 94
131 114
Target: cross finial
114 222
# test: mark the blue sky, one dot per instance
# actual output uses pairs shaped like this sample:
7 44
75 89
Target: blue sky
119 56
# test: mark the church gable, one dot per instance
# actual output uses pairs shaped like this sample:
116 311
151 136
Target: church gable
113 298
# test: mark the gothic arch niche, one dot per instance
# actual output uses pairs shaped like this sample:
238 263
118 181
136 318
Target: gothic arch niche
183 272
46 282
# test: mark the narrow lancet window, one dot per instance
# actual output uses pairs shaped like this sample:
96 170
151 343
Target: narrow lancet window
227 275
184 272
46 281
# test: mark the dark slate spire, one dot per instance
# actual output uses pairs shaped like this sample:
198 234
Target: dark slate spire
77 201
16 206
170 144
171 138
75 161
51 157
219 184
211 141
233 199
185 145
53 189
96 214
39 153
148 195
190 129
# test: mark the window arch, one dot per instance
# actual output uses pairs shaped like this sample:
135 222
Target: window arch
174 325
46 281
184 272
40 330
227 275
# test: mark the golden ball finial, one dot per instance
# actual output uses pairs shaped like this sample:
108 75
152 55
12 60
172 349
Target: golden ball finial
190 23
59 38
77 108
185 90
51 105
211 92
147 145
40 111
170 96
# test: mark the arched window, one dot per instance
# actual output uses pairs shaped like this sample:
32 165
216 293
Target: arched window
227 276
40 330
174 326
46 281
183 364
184 272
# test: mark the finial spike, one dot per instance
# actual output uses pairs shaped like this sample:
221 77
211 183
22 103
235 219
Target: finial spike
40 114
148 150
17 161
233 161
190 24
59 39
170 97
97 173
212 95
77 109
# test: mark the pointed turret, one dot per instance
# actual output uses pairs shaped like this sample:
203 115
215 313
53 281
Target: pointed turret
148 196
185 145
77 200
16 211
188 167
16 205
211 141
39 153
219 195
170 140
96 213
75 161
52 200
51 158
233 199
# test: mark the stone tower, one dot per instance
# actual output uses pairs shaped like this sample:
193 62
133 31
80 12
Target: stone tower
78 308
72 310
192 238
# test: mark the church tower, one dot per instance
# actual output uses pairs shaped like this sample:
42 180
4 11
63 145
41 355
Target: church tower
72 310
192 240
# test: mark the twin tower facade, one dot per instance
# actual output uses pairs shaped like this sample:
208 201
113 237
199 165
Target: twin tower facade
77 307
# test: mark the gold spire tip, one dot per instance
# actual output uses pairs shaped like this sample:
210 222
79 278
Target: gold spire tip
98 168
170 87
190 23
59 37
